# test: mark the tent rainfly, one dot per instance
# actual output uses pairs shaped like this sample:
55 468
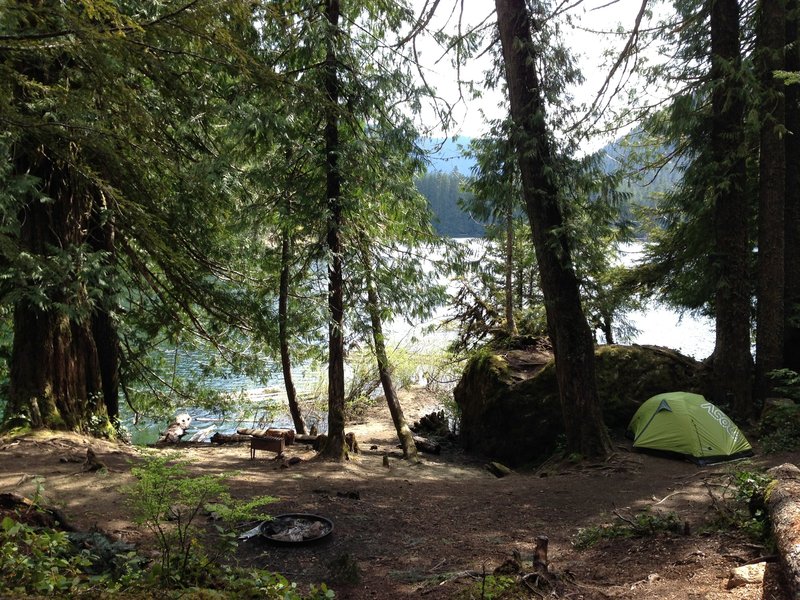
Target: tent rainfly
689 425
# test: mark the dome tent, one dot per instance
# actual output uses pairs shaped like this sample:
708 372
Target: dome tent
689 425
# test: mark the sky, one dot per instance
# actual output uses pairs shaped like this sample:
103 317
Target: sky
589 36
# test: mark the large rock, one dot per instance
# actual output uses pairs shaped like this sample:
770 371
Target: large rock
509 403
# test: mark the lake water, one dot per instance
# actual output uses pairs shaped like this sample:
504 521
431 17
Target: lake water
657 325
662 326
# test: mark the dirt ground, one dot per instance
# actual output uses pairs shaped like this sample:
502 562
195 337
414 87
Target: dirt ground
432 529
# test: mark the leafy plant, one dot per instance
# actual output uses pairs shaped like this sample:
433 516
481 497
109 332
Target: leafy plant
741 505
786 383
41 561
489 587
780 426
646 523
168 501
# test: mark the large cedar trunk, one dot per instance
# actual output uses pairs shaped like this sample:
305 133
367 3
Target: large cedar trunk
792 210
56 374
772 171
335 447
572 340
732 359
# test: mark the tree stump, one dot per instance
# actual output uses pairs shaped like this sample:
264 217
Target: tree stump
540 554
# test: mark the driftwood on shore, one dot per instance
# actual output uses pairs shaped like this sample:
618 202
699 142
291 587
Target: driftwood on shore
175 430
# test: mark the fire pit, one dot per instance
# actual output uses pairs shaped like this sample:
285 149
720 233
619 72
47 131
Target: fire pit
295 529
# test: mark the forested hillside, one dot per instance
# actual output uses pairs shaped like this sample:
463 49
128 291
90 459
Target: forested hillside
443 191
444 183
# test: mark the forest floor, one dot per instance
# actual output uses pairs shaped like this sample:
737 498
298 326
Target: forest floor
436 528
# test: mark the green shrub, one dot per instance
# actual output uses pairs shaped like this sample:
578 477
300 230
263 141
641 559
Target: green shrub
644 524
41 561
780 428
741 505
168 501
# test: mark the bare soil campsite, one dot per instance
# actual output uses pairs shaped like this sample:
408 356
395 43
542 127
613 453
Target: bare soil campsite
635 526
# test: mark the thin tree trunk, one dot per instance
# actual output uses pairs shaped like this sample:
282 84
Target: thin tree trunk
511 326
283 335
404 433
792 209
606 325
335 447
104 330
732 359
772 173
572 339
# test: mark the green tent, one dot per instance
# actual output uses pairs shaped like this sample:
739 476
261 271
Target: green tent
687 424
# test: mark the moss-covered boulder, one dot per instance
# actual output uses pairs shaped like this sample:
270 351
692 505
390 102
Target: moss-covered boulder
509 403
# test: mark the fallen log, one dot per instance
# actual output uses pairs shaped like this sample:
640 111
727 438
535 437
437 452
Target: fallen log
229 438
287 434
27 511
426 445
783 503
301 438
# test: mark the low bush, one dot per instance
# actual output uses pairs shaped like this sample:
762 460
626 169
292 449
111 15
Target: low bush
644 524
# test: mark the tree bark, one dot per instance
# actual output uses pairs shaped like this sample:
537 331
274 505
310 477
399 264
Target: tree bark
335 447
783 504
511 326
772 173
572 339
384 368
55 373
792 208
283 335
102 238
732 359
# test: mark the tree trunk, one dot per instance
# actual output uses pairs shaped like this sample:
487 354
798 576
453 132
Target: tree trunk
104 330
335 448
606 326
732 359
384 368
791 343
511 326
55 373
772 172
572 339
283 335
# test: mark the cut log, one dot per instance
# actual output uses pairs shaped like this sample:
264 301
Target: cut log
783 503
498 469
286 434
230 438
427 446
352 442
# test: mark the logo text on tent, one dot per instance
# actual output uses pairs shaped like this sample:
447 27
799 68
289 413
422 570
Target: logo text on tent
722 419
